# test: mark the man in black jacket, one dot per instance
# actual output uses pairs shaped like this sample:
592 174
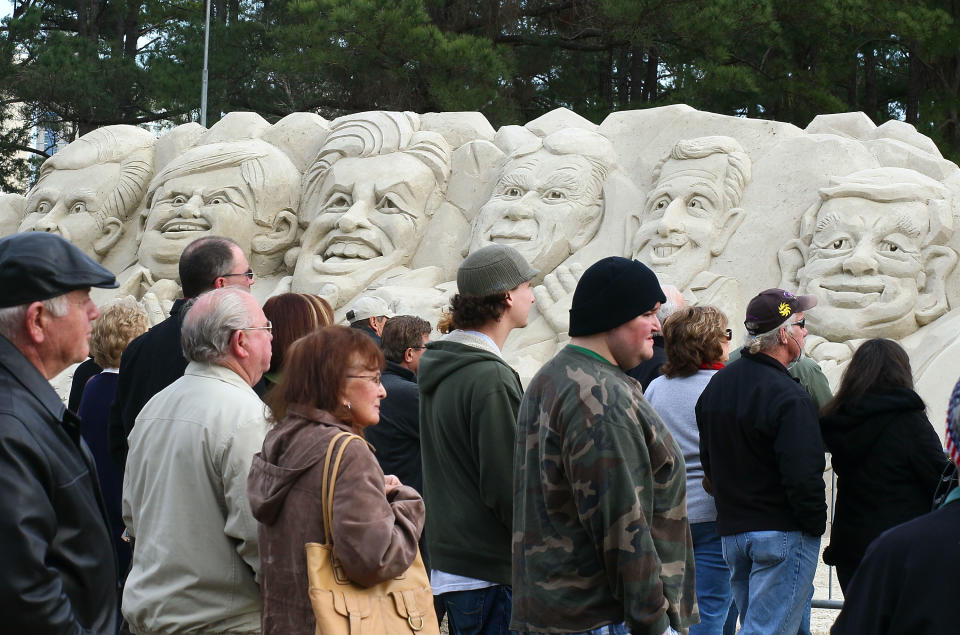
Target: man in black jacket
397 436
59 569
762 453
155 360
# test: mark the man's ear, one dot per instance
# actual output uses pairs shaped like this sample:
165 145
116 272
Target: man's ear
731 221
408 355
237 341
282 235
112 230
33 324
938 261
792 257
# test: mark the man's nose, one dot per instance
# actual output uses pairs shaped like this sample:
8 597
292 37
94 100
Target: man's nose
862 261
672 219
355 217
522 209
50 222
191 207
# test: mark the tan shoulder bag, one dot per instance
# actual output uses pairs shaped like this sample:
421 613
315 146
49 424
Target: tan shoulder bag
401 605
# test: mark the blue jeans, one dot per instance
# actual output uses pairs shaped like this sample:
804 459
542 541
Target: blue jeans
479 611
609 629
713 579
772 579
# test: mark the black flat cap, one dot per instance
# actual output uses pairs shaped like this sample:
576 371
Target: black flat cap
38 266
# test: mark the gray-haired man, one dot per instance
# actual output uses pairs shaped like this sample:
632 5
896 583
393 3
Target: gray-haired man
185 489
761 450
59 569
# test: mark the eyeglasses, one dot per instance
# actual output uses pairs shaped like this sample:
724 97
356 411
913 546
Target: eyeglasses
267 327
800 323
248 274
728 334
417 348
373 379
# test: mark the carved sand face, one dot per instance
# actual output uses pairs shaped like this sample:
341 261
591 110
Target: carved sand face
188 207
682 216
865 266
370 214
544 206
71 203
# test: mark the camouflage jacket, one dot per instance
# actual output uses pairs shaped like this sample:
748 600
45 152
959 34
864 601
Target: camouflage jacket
600 532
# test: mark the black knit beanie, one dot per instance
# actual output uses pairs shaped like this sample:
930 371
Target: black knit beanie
611 292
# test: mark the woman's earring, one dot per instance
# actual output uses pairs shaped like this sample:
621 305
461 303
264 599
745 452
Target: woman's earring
347 404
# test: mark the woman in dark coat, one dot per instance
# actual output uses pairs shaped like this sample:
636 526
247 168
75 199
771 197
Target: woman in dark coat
887 456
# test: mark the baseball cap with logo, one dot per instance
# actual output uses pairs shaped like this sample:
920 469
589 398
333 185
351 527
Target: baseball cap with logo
771 308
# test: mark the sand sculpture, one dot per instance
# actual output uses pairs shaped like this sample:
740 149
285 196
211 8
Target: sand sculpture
388 203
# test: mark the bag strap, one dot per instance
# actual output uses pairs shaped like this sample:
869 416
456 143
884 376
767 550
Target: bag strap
330 480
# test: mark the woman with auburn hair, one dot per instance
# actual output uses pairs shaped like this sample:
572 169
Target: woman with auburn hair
887 456
331 384
697 343
293 315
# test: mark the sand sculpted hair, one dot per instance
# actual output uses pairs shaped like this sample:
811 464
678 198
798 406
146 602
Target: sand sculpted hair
316 369
692 337
118 324
878 366
294 315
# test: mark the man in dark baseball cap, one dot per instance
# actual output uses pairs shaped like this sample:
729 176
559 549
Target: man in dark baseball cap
761 450
587 448
60 575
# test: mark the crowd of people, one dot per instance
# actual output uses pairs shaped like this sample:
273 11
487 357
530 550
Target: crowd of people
650 478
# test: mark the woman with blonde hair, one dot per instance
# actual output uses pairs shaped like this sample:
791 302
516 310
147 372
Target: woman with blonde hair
330 384
697 343
119 323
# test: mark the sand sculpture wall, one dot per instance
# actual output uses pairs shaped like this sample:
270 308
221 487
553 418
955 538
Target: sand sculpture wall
388 203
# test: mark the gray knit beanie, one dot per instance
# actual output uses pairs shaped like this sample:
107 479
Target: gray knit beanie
493 269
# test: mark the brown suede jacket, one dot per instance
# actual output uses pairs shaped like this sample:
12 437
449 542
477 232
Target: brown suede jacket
374 537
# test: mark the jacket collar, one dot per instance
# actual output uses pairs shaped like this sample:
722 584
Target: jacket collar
215 371
762 358
316 414
22 371
403 373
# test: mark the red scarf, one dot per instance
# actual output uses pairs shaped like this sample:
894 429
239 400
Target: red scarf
713 366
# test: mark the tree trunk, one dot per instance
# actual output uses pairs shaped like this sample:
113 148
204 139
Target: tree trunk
914 85
870 105
623 77
650 82
636 75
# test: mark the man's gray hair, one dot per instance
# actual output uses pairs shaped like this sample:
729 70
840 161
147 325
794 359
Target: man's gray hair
211 318
11 318
768 341
674 302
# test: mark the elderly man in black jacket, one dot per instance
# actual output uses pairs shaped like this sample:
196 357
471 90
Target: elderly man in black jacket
59 570
763 456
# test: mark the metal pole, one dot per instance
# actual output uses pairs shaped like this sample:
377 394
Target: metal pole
206 52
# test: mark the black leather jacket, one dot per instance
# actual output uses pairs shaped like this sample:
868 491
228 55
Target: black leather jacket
58 573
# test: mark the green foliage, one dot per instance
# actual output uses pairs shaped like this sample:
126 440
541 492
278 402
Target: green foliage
74 66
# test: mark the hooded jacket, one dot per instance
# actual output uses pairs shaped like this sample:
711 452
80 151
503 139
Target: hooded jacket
888 460
374 536
469 399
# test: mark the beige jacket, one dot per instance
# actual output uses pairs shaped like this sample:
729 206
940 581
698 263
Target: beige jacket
196 560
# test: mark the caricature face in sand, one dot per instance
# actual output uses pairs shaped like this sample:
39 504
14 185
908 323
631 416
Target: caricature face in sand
545 205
